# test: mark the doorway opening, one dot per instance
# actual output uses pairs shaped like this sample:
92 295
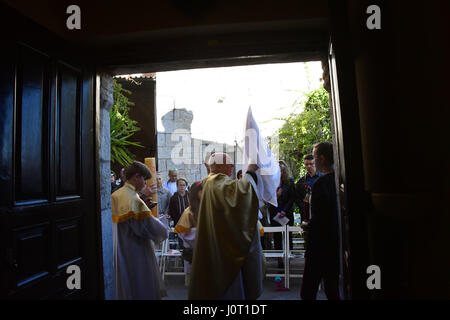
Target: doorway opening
207 107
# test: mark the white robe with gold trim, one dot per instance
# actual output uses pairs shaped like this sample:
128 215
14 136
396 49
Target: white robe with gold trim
136 270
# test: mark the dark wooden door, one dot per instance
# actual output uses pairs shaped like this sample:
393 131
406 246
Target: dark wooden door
340 173
353 199
47 169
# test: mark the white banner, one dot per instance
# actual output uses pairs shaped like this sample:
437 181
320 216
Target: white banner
257 151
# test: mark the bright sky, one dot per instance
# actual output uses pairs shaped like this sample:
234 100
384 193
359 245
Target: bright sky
270 90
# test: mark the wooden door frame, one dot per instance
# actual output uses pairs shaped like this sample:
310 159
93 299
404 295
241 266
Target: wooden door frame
355 201
234 49
356 204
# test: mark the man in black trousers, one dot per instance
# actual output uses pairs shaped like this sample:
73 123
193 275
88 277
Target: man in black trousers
322 250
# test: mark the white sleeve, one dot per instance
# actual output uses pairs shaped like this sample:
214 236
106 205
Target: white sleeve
188 238
149 228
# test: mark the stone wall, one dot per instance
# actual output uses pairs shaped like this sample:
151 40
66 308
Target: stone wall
105 102
178 150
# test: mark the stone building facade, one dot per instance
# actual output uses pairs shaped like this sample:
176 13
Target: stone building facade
178 150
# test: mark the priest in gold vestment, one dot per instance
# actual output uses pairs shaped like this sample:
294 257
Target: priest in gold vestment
136 271
227 261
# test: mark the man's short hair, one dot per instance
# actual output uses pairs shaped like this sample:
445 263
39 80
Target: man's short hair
139 168
308 157
325 149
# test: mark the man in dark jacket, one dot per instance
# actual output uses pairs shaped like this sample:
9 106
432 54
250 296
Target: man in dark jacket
304 185
177 204
322 259
179 201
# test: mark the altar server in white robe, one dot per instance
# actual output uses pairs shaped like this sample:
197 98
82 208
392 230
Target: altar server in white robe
136 270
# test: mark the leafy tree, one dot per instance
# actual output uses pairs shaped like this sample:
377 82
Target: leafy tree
301 131
122 127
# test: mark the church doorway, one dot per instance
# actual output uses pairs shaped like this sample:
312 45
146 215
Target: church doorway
49 222
173 114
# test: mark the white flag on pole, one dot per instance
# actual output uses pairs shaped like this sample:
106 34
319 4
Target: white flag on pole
256 151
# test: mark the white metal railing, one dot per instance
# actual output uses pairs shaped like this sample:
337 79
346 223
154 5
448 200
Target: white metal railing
286 253
164 253
290 253
276 253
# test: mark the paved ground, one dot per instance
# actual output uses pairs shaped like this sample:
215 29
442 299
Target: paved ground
176 289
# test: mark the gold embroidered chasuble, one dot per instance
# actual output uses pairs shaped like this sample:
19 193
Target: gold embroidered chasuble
186 222
227 223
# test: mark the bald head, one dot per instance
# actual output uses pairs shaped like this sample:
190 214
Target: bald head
220 158
221 162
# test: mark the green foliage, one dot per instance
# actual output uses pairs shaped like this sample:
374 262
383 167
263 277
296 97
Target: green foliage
301 131
122 127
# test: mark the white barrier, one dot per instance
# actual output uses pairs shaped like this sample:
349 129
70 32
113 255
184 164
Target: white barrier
286 253
164 253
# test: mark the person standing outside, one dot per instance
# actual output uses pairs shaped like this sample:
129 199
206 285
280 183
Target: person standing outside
177 204
286 200
171 184
322 250
304 185
187 226
121 180
163 198
179 201
227 257
136 272
113 182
